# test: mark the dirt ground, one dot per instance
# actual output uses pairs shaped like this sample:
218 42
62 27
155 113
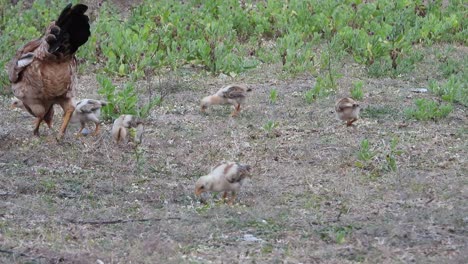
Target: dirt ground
87 200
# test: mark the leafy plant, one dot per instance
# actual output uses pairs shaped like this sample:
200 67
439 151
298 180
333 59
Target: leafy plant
357 92
270 125
310 96
365 154
453 91
429 110
123 100
336 234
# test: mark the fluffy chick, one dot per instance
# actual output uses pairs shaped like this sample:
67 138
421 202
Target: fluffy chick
121 127
17 103
232 94
347 110
226 176
88 110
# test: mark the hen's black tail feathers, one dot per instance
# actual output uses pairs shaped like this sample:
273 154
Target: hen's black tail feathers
72 32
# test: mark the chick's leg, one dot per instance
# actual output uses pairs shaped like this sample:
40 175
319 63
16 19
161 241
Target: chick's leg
236 110
350 122
233 198
224 196
96 131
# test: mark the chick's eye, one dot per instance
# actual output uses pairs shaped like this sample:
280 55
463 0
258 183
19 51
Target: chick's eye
202 187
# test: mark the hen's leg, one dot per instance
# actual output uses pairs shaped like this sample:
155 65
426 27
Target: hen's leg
68 109
49 116
37 124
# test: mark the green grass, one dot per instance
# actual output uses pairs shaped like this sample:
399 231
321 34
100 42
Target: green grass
357 92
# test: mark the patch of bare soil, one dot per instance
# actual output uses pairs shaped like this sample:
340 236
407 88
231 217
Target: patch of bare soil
307 202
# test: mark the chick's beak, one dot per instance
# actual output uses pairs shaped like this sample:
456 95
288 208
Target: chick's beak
203 108
198 191
12 106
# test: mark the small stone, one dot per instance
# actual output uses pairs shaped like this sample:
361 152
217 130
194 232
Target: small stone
85 132
419 90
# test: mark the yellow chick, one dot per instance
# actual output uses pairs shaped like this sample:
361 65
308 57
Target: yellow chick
347 110
231 94
17 103
87 110
120 129
226 176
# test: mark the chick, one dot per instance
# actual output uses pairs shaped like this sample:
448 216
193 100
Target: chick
88 110
226 176
121 127
231 94
17 103
347 110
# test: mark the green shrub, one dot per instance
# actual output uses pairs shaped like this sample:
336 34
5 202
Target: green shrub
454 90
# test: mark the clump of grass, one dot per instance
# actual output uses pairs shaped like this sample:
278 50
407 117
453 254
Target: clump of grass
310 96
357 92
273 96
428 110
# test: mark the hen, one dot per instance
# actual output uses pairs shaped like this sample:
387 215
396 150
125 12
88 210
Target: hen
231 94
43 72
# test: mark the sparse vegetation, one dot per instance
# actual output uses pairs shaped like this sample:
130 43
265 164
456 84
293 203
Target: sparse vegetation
346 194
429 110
273 96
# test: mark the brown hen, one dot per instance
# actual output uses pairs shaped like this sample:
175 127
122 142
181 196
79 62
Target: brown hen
43 72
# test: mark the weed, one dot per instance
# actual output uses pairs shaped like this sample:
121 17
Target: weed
270 127
365 154
273 95
336 234
356 92
428 110
371 158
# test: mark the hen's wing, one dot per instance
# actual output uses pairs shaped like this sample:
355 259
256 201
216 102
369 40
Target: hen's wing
71 30
23 58
234 92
